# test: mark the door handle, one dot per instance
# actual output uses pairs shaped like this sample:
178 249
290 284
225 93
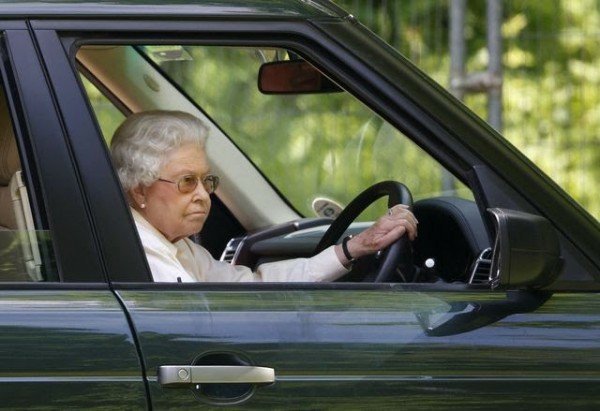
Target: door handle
181 376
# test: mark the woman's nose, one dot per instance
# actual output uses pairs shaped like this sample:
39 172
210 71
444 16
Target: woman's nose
200 192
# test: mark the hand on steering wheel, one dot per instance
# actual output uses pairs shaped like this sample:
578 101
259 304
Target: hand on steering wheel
396 255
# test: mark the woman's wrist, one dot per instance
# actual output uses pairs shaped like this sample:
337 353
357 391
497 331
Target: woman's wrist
339 252
349 256
347 252
340 255
354 248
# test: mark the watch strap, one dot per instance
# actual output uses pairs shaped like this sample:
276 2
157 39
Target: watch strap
345 249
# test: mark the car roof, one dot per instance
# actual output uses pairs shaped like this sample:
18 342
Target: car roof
291 9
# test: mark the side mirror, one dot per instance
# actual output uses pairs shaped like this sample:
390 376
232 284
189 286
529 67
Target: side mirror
526 257
293 77
526 250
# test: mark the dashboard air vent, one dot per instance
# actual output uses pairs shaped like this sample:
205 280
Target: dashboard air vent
482 267
230 249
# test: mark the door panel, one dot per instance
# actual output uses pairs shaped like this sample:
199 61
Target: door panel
67 349
352 349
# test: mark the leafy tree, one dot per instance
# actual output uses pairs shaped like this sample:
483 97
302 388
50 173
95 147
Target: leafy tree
551 73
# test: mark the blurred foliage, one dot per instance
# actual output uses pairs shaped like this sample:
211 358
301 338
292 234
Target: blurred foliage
107 115
551 56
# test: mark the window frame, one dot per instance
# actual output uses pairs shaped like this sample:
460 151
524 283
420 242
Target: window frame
284 37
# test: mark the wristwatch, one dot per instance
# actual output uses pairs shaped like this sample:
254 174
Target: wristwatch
346 251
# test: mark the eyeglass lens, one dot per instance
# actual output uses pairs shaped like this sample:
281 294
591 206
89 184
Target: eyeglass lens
187 184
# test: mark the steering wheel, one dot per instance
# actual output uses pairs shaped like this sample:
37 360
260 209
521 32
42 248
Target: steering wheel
399 253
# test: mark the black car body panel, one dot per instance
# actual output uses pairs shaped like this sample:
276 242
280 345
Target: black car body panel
96 333
67 349
351 349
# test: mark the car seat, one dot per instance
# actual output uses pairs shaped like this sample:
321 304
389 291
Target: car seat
19 252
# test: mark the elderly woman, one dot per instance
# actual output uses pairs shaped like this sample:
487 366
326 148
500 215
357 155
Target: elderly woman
162 165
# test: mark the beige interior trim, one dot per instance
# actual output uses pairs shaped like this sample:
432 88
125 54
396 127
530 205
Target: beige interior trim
25 227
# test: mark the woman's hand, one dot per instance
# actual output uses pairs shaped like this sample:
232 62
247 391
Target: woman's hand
398 221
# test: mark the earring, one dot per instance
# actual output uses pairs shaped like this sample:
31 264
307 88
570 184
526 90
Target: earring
143 205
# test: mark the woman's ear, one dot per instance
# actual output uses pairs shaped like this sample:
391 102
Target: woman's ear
138 197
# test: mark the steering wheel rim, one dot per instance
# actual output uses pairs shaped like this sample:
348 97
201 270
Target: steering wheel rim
399 251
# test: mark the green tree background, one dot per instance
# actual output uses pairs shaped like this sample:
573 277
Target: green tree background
551 60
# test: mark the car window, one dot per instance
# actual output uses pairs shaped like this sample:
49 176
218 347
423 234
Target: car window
25 252
309 146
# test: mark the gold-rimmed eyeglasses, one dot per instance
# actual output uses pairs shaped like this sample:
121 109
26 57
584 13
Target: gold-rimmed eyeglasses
188 183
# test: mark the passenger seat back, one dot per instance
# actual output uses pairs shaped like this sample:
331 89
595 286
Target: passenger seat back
20 258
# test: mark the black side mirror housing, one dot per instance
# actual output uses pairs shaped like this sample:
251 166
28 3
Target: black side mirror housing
526 250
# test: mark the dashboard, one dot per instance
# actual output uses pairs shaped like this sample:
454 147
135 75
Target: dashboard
452 242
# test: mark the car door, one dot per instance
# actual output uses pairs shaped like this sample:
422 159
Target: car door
66 341
340 345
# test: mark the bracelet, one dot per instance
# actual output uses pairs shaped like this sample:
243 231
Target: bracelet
345 249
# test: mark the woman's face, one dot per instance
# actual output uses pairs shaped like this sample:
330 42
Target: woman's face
174 214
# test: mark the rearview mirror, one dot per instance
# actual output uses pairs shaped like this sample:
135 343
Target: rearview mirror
293 77
526 250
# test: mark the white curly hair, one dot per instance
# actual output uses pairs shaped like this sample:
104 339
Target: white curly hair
142 142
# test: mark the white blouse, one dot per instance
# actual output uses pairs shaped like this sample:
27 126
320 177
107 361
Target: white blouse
186 261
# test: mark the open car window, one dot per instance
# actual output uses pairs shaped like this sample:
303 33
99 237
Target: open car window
290 156
308 146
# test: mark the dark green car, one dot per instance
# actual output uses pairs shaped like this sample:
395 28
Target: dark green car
494 306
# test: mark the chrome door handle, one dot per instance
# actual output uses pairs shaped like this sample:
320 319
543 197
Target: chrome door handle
185 375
